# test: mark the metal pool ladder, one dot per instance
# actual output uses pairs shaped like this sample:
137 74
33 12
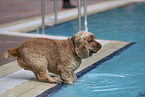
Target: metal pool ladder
55 16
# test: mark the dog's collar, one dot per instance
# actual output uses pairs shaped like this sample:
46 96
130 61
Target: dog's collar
73 41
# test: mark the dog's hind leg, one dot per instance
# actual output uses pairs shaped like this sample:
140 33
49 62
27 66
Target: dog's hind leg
37 63
24 64
42 75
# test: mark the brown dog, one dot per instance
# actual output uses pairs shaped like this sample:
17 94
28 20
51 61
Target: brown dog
61 57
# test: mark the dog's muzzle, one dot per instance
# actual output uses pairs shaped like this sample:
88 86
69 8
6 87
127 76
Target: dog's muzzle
95 51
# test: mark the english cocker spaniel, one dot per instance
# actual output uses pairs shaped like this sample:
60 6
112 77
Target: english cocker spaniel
61 57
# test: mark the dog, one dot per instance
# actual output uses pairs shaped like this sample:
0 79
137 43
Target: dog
61 57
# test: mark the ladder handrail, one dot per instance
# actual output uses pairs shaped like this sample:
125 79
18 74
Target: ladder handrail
55 12
85 15
43 16
79 15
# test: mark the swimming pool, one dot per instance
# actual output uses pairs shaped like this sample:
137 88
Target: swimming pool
124 75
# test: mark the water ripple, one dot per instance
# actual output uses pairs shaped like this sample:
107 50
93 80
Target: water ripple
108 74
105 90
105 75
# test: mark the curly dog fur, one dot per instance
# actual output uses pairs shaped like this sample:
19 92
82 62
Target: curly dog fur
61 57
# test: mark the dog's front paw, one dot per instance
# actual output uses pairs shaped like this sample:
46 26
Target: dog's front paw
54 80
68 82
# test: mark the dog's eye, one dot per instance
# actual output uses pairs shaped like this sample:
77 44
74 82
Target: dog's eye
91 40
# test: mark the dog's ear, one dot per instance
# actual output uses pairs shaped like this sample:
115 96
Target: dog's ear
81 47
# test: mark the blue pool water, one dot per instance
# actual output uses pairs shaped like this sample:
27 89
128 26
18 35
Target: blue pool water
124 75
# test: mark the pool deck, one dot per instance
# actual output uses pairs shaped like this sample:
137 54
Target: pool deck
16 82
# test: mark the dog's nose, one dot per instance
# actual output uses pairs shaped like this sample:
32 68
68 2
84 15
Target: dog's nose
100 46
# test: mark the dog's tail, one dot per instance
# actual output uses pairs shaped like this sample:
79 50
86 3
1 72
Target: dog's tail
11 53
